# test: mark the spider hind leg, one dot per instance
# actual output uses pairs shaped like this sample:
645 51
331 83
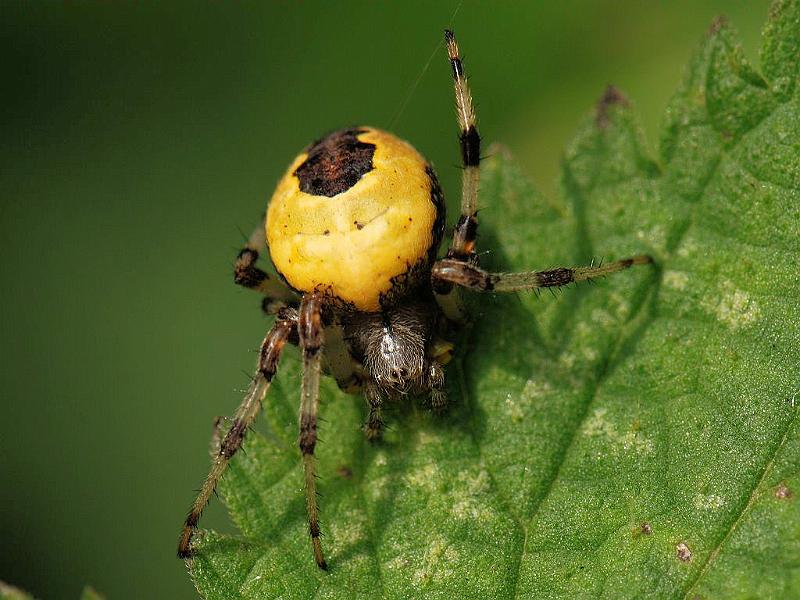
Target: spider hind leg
311 342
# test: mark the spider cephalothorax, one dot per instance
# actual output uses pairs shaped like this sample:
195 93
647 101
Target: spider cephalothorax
353 229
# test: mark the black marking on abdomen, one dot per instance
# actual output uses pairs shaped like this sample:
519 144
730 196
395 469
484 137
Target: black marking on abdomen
437 198
335 163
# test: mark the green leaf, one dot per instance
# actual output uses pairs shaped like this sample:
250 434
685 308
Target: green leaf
9 592
637 438
89 593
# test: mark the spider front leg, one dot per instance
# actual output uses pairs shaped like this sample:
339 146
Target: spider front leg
311 340
466 229
247 274
436 384
463 245
269 356
452 272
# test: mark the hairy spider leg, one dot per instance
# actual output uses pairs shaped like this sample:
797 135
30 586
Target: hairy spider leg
466 228
311 340
245 273
268 358
463 245
468 276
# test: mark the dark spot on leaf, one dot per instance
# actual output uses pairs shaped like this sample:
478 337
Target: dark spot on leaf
782 492
344 472
683 553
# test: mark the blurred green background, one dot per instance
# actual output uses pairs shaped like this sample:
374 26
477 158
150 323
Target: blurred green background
138 139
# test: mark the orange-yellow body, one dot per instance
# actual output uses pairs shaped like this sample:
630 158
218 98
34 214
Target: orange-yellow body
353 243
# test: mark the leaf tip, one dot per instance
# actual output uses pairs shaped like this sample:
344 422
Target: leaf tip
611 97
718 24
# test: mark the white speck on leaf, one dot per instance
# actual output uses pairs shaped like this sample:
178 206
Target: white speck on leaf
567 360
732 306
590 354
350 530
597 425
424 438
656 237
676 280
688 248
533 391
426 477
436 563
513 409
602 317
377 489
709 502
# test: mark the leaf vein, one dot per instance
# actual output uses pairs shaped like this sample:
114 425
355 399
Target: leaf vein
765 472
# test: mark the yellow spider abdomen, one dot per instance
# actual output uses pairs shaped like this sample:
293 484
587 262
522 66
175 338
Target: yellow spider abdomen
353 214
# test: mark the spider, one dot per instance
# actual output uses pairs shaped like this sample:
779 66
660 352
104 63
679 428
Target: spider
354 229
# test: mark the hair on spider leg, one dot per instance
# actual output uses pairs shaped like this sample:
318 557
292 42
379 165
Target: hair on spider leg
245 237
249 376
216 432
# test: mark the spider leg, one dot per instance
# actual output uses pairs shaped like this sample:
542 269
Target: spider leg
436 384
373 428
311 340
458 273
466 229
268 359
247 274
463 245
